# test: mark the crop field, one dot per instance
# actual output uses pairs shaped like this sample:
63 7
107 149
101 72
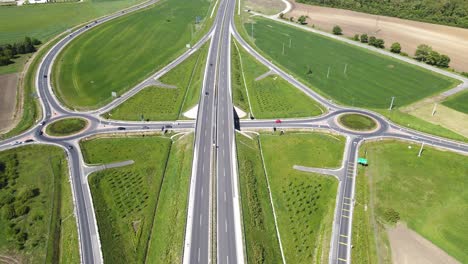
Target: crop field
304 202
125 199
272 96
259 226
458 102
37 224
158 103
45 21
167 239
66 126
426 193
115 56
347 74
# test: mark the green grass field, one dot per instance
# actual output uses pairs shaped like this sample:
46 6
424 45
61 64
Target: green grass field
304 202
125 198
37 224
45 21
272 96
357 122
427 192
117 55
370 79
458 102
65 127
167 240
259 227
157 103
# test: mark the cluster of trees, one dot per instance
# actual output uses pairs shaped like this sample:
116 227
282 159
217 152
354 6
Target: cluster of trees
424 53
447 12
14 202
373 41
9 51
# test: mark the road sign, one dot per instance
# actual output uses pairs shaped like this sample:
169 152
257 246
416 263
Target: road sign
114 94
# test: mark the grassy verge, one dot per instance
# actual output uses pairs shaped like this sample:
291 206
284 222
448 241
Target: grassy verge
304 202
65 127
88 70
125 198
415 123
259 226
458 102
272 96
45 21
424 192
357 122
157 103
346 73
37 223
166 243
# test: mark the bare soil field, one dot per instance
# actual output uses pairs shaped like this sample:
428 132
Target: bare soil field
408 247
267 7
8 89
447 40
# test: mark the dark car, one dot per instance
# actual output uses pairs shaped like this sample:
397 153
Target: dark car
41 133
45 75
29 140
207 93
121 128
70 147
146 127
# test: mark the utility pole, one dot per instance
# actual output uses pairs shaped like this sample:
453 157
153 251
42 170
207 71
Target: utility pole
434 109
328 72
391 104
283 48
420 150
289 42
345 68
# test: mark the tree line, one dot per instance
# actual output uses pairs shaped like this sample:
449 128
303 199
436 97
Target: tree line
447 12
9 51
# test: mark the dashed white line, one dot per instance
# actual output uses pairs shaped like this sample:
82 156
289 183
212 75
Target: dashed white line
201 219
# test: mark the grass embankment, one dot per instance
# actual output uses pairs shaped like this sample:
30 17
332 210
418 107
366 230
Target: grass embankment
259 225
356 76
424 192
65 127
133 203
458 102
304 202
158 103
167 240
357 122
37 224
272 96
45 21
115 56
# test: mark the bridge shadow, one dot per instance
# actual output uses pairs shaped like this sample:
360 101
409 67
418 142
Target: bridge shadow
236 119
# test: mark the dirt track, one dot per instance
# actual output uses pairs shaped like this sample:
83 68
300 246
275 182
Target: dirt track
451 41
408 247
8 84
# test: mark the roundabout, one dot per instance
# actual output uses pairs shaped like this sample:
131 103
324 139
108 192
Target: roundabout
66 127
357 122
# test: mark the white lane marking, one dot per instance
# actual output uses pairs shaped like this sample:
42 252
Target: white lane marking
224 195
225 225
202 191
198 255
204 148
201 219
227 259
223 153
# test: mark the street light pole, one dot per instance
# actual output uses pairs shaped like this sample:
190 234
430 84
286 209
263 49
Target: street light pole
421 149
391 104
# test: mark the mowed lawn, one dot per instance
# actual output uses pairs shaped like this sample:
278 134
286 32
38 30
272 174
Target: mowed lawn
458 102
37 224
45 21
270 97
160 103
304 202
115 56
428 192
138 211
355 76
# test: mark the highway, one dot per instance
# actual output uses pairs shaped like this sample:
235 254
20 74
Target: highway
214 230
